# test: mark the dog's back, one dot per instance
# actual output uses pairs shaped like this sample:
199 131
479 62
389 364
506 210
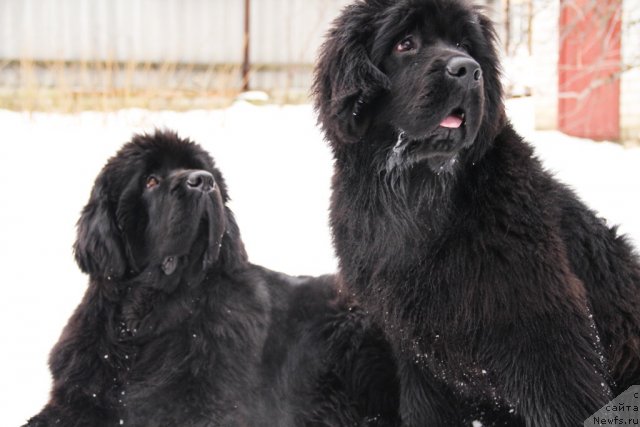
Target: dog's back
324 362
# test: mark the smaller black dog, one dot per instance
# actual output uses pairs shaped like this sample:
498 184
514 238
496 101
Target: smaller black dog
177 328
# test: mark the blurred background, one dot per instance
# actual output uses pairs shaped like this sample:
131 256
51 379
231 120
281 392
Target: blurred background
572 56
79 77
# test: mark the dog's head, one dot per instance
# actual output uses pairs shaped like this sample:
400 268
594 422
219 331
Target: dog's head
421 74
157 206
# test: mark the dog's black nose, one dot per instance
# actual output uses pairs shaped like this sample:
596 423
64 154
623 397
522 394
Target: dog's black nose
201 181
465 69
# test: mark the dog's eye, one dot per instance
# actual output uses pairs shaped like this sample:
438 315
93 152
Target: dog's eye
464 45
152 181
406 44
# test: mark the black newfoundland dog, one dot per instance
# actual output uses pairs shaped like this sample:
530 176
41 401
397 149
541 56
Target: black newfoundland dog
497 287
177 328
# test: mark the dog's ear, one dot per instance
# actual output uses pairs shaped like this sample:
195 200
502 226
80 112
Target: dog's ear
99 248
488 52
346 81
487 55
232 252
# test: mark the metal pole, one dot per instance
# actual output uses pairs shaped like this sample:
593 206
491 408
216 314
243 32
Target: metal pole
507 26
530 26
247 33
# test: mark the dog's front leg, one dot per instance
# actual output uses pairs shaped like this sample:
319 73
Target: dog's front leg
84 372
550 374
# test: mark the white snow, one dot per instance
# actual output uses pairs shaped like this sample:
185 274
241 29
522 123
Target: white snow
278 171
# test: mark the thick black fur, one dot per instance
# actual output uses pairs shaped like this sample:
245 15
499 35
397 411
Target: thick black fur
325 364
170 327
177 328
499 290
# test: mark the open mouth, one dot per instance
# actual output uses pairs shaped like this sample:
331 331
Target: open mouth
454 120
441 143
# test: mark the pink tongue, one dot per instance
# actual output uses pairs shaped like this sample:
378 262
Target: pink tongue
451 122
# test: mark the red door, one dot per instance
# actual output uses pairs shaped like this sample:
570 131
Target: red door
589 68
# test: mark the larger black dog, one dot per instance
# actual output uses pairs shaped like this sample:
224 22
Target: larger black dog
486 273
177 328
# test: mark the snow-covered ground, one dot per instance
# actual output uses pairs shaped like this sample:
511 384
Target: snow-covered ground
278 170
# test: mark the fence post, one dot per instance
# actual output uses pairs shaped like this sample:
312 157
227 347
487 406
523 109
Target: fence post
247 33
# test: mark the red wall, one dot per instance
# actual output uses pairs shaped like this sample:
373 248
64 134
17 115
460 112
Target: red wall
588 69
